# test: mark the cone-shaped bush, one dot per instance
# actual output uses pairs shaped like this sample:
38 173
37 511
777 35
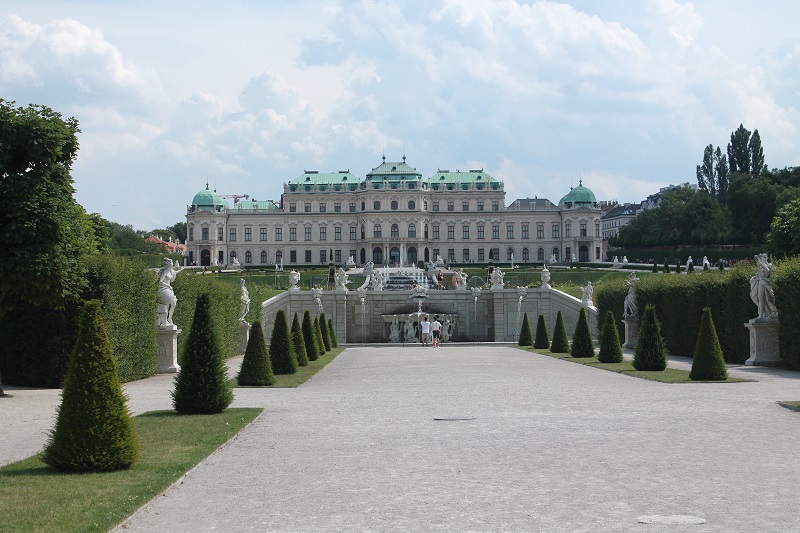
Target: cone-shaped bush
94 431
582 345
281 353
525 334
678 268
323 328
201 386
298 342
312 351
708 364
256 368
610 347
332 333
690 268
666 267
560 342
651 351
320 342
655 267
542 336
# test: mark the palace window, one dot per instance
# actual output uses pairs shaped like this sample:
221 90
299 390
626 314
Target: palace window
450 206
412 231
451 232
435 232
480 254
292 234
337 233
248 234
292 207
307 207
262 234
204 234
465 206
323 207
278 234
308 256
525 233
556 231
376 231
394 231
232 235
480 205
412 205
495 232
293 256
337 207
263 257
509 231
480 231
465 232
248 257
307 234
435 206
323 233
540 231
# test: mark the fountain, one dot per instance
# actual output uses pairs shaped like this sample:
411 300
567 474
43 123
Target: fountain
362 294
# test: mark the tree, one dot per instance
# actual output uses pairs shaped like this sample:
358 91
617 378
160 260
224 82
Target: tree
256 370
610 347
739 151
323 329
651 351
283 357
41 226
202 383
525 334
582 345
542 336
312 350
757 163
708 363
783 239
560 342
94 431
332 332
318 332
298 342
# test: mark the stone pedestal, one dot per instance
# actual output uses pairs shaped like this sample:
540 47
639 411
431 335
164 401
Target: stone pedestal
764 347
631 331
244 335
168 349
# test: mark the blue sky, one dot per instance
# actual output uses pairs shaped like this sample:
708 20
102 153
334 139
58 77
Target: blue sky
621 94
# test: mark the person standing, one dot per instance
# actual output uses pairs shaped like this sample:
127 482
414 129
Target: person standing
436 330
425 330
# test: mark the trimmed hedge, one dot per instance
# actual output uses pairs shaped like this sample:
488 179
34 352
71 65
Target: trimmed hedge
542 336
582 345
560 342
651 351
298 342
332 333
525 334
310 339
284 360
256 369
787 300
708 364
610 347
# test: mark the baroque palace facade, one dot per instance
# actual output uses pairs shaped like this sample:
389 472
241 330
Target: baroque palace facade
394 213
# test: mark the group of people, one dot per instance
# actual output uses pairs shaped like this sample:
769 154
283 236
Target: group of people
428 328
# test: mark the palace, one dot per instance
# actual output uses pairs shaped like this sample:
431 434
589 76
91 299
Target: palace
393 214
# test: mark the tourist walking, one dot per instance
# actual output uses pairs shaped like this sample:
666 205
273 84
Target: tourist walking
436 330
425 333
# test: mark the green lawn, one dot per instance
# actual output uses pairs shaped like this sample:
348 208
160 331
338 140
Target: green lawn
35 497
794 406
303 374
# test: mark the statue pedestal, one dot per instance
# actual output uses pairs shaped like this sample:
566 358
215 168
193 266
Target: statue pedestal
244 335
168 349
764 347
631 331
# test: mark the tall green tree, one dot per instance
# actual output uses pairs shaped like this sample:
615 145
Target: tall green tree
298 342
783 239
284 360
757 163
739 151
312 349
256 369
651 349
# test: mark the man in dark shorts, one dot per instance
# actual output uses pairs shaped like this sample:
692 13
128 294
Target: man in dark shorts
436 330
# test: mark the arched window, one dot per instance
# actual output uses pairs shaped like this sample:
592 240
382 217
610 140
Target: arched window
248 257
233 256
263 257
526 254
278 257
509 254
412 231
395 231
377 255
540 254
556 254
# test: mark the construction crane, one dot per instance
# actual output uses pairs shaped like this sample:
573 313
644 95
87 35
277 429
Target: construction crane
236 197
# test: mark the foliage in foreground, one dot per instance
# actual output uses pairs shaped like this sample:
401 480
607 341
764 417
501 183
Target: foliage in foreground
94 431
525 335
560 342
318 332
312 350
582 345
610 347
651 351
323 329
284 360
708 363
201 386
332 333
542 336
298 342
256 370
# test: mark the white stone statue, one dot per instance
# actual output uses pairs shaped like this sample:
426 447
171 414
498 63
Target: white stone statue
545 278
432 272
368 268
761 291
630 299
574 258
463 279
553 259
689 261
245 306
364 286
706 263
214 262
624 259
439 261
447 330
236 264
350 262
341 280
294 280
166 297
419 292
587 291
394 330
410 332
377 280
497 278
616 260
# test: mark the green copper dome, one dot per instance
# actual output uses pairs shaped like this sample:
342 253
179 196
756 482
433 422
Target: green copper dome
579 196
208 200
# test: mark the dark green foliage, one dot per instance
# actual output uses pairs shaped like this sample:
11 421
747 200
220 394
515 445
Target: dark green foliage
310 339
201 386
582 345
323 329
666 266
94 431
298 342
651 351
332 333
655 267
678 268
542 336
560 342
525 334
256 370
284 360
787 300
690 268
610 347
320 343
708 364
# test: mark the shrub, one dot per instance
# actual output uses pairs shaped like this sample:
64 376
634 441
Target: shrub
708 364
542 336
525 335
560 342
690 268
655 267
318 333
256 370
283 358
309 338
332 333
678 268
94 431
666 266
201 386
298 342
651 352
323 329
610 347
582 345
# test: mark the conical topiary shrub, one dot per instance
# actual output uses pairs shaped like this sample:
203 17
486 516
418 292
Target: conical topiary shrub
298 342
281 353
690 268
525 334
651 351
655 267
332 333
678 268
94 431
610 346
201 386
256 370
666 266
709 363
560 342
542 336
320 342
312 351
582 345
323 328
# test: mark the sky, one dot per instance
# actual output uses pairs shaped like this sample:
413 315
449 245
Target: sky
622 95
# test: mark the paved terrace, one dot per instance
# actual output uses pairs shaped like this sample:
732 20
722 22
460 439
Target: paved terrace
549 446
